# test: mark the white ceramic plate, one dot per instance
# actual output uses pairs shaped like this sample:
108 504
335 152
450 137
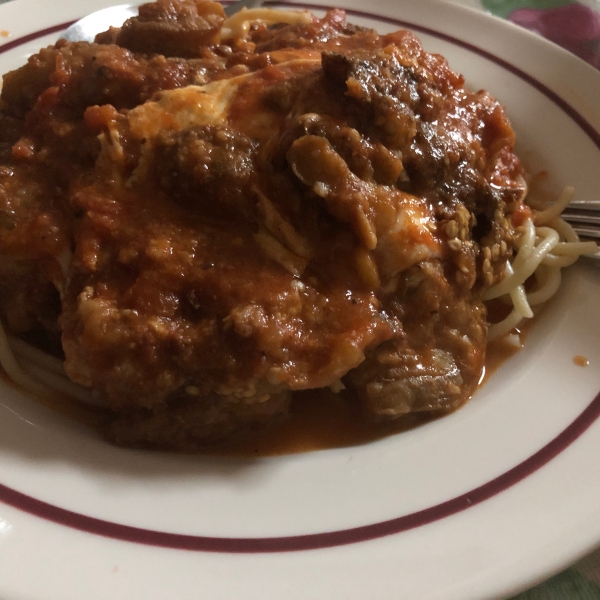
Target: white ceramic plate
480 504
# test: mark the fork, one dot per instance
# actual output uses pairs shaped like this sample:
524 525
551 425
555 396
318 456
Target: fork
584 217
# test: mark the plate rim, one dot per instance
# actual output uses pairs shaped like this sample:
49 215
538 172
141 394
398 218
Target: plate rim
432 2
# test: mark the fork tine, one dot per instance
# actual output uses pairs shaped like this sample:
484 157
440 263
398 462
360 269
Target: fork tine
584 217
587 232
591 205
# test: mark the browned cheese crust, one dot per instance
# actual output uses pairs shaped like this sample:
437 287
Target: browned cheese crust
206 224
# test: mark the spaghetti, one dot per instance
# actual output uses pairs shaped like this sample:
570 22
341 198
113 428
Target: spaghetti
546 244
238 25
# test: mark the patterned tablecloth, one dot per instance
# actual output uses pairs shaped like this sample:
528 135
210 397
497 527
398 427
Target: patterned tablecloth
570 24
574 25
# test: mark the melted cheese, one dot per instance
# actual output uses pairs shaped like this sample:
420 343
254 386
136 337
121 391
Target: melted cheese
396 229
182 108
192 106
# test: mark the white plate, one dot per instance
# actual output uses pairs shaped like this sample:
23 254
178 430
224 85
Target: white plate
480 504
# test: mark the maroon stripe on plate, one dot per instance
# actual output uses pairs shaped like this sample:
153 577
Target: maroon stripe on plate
311 541
33 36
353 535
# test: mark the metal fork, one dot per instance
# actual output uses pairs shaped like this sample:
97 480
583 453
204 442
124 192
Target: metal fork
584 217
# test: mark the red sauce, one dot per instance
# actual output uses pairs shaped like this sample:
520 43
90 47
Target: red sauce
521 214
321 419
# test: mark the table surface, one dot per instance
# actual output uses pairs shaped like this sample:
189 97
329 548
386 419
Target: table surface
574 25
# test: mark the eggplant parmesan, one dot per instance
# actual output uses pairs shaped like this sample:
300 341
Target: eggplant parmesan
203 215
